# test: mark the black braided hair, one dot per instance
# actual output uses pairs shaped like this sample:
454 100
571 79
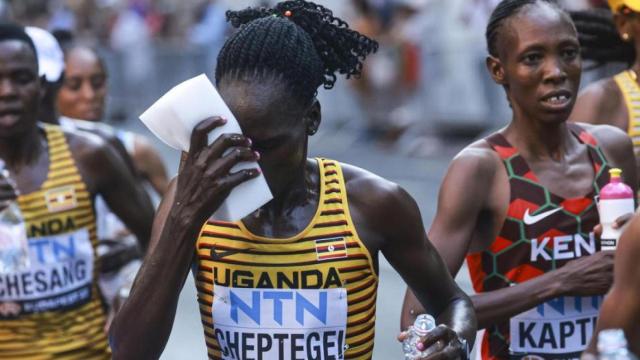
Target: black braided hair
503 11
297 41
599 38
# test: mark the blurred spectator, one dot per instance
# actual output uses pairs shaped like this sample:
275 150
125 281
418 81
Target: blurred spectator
132 38
390 76
209 29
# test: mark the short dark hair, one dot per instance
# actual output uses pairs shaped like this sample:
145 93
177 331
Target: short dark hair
503 11
297 41
11 31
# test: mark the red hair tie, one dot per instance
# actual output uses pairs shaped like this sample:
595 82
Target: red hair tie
288 13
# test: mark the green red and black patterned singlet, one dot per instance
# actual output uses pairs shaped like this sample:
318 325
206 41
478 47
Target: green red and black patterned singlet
541 233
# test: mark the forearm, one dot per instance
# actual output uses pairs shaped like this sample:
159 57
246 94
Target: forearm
620 311
496 306
411 308
460 317
142 327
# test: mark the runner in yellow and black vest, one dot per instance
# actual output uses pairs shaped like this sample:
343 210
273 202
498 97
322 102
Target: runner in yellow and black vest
609 39
297 278
53 309
58 289
322 282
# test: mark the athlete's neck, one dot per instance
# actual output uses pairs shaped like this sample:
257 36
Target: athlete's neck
292 207
22 149
539 140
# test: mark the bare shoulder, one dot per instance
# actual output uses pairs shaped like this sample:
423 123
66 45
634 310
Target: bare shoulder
83 144
600 89
370 189
477 161
143 147
609 137
615 143
601 102
93 155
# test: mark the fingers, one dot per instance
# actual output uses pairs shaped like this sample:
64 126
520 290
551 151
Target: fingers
622 220
402 336
441 332
237 178
200 133
226 141
597 230
235 156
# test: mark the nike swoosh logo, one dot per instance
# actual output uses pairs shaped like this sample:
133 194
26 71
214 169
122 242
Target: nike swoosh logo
218 255
530 220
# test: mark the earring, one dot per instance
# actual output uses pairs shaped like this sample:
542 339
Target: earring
312 131
626 37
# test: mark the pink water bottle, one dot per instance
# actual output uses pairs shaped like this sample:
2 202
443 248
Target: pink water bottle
616 199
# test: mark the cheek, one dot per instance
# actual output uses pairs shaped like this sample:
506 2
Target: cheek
574 71
523 80
67 98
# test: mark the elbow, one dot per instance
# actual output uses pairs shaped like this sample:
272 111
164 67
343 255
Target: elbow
114 344
118 344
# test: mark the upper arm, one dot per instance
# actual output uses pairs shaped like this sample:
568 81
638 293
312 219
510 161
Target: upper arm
621 307
463 198
122 192
627 271
409 251
150 165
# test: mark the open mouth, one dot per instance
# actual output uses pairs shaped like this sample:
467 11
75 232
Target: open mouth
557 99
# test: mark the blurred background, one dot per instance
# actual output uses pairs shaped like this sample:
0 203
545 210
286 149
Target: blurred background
422 97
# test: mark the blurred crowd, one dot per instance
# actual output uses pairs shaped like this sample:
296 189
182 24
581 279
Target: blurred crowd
431 52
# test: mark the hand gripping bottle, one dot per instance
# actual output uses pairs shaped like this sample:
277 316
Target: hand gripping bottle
612 345
421 327
14 248
616 200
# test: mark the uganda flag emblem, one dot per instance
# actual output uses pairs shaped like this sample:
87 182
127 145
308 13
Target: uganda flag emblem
333 248
61 199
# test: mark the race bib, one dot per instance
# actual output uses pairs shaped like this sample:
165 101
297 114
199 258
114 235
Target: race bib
276 324
558 329
60 276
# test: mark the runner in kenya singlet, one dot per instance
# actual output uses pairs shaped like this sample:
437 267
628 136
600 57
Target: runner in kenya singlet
542 232
311 296
53 310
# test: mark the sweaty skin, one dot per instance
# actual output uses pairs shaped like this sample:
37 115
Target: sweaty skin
386 217
538 55
602 102
621 307
83 96
23 145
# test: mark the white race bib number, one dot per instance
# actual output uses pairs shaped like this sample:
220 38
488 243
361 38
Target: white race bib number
60 276
275 324
558 329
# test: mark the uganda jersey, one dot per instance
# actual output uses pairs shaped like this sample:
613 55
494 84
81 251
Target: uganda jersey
53 310
542 232
311 296
628 85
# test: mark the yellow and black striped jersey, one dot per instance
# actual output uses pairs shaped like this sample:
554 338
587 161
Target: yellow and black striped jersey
311 296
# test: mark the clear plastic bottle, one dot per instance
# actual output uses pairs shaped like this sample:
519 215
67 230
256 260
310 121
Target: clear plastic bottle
612 345
421 327
14 247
